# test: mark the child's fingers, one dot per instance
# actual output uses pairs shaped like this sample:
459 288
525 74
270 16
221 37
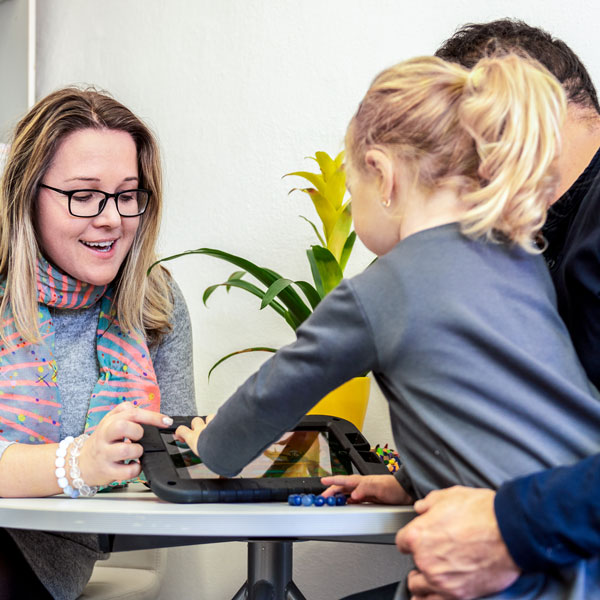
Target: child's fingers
183 433
342 480
189 435
340 484
198 423
332 490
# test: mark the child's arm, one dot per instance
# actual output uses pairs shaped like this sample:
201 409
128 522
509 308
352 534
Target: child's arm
333 345
383 489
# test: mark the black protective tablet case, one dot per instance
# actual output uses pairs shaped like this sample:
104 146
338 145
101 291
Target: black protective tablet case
171 469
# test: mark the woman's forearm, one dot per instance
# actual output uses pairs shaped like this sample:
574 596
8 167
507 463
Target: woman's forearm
28 470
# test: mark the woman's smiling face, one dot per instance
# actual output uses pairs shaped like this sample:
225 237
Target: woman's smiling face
89 249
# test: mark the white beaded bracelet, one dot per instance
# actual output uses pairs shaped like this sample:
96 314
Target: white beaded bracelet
60 472
82 488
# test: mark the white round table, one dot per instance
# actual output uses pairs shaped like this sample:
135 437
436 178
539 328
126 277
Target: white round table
139 519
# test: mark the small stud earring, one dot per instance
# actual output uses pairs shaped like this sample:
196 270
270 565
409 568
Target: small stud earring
386 203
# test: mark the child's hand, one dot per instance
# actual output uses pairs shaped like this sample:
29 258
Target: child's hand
382 489
190 436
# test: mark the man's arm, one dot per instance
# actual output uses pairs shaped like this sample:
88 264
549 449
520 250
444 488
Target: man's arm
470 542
551 519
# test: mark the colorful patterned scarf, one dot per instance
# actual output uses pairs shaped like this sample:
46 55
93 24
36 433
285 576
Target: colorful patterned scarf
30 404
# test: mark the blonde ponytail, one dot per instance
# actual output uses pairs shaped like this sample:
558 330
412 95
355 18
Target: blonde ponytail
513 108
492 134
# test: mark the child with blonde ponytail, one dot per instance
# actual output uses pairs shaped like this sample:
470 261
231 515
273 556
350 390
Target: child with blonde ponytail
451 172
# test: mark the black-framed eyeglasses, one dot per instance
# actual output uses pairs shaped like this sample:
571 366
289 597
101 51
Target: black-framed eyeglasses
90 203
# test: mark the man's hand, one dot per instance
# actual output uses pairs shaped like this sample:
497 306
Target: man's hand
457 546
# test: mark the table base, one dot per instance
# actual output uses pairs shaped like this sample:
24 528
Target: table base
269 572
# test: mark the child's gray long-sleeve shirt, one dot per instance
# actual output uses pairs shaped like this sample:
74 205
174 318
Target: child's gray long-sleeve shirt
466 343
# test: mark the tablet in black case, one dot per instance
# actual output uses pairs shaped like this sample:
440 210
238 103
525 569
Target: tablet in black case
317 446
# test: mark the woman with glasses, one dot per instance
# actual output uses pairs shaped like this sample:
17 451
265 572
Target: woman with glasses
90 346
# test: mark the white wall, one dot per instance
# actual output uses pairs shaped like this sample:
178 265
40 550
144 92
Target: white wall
17 23
239 91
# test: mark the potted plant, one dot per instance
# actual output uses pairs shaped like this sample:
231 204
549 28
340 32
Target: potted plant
294 300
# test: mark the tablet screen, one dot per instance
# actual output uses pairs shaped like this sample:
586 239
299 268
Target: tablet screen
302 453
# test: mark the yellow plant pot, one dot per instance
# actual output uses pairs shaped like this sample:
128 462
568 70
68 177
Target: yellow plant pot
349 401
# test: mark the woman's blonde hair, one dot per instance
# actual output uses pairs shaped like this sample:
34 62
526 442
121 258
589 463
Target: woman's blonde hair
143 303
492 132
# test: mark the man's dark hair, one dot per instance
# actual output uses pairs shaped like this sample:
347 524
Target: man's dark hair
473 41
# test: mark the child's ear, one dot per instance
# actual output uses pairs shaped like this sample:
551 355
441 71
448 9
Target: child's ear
381 165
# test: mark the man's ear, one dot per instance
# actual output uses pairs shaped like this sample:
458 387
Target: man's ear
381 165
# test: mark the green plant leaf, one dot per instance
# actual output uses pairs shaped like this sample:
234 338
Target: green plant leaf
274 289
209 291
315 273
340 232
244 285
328 268
315 230
347 250
310 292
297 311
234 276
249 287
257 349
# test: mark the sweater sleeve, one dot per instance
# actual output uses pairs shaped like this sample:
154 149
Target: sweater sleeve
403 478
333 345
173 362
552 518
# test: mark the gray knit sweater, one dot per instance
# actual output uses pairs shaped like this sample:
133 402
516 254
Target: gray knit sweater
479 371
64 561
